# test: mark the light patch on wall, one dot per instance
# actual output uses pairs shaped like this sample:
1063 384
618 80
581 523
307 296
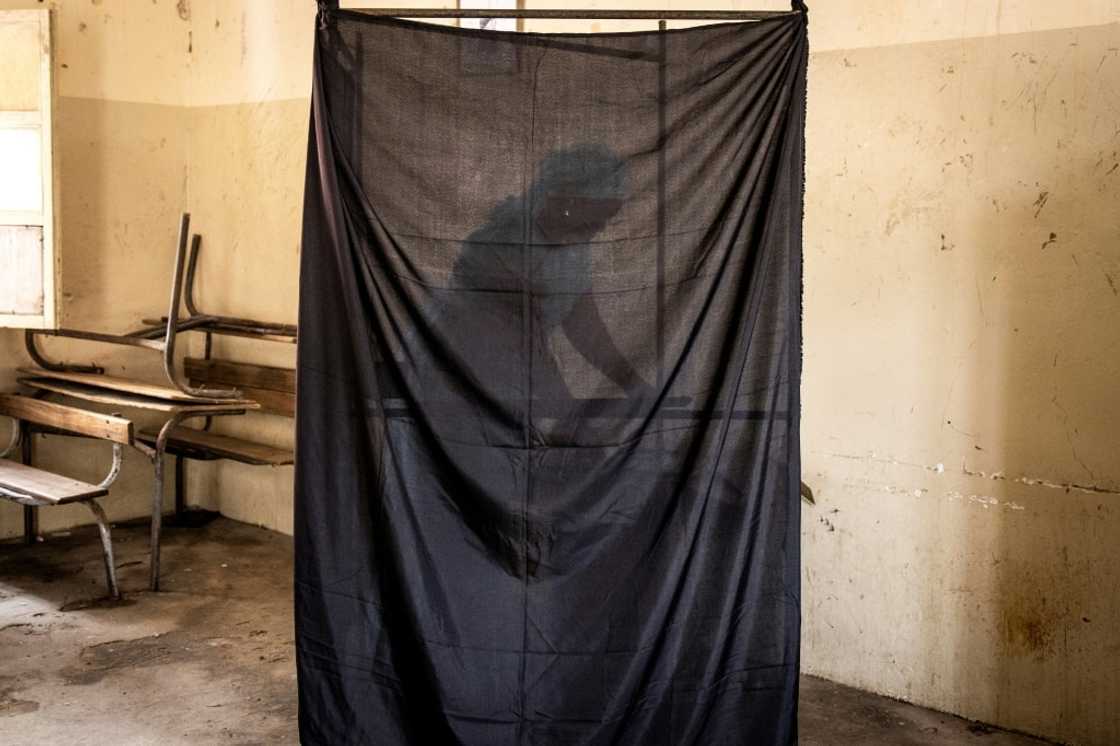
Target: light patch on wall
489 24
21 180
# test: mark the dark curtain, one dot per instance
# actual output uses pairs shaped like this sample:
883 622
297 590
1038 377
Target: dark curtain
549 356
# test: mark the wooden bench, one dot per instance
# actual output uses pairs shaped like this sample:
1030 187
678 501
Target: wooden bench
272 388
169 404
34 487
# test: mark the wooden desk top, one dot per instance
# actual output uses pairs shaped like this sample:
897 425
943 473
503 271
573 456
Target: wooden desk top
122 397
127 386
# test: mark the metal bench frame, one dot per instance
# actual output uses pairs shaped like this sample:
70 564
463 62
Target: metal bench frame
20 435
160 334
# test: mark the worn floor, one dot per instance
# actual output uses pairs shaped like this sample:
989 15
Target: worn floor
210 658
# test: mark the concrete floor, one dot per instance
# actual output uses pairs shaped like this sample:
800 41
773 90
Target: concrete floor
210 659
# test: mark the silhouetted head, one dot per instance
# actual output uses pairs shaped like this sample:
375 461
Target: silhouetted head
576 192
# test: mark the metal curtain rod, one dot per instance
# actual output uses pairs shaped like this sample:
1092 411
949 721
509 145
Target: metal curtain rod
648 15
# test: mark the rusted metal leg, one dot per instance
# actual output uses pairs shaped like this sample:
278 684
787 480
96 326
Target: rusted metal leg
157 520
156 454
106 548
173 327
17 433
29 341
192 265
157 500
30 524
180 486
30 514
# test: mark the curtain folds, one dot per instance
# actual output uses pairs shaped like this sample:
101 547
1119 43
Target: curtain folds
550 349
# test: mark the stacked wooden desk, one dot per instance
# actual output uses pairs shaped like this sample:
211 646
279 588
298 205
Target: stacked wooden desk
173 406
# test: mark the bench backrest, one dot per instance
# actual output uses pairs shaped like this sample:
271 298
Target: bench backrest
273 388
69 419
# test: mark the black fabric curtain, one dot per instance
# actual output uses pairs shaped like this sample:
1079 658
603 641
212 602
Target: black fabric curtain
547 437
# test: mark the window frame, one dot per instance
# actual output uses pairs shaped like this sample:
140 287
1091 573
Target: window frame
46 217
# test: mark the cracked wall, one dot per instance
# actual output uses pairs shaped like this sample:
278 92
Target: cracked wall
961 360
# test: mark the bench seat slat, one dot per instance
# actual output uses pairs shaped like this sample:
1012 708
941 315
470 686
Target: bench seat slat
44 487
66 418
241 375
271 387
271 402
202 443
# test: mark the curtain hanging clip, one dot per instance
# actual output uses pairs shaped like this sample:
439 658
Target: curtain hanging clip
326 13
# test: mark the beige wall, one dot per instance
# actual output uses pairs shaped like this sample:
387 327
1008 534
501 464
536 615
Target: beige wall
250 81
961 364
961 306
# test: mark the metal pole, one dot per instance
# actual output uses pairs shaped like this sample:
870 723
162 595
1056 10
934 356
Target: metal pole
30 514
659 320
662 60
180 487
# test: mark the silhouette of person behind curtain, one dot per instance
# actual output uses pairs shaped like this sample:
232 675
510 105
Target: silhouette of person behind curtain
575 194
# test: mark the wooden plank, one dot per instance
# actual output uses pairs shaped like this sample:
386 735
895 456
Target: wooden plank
127 386
43 486
238 375
71 419
106 396
222 446
272 402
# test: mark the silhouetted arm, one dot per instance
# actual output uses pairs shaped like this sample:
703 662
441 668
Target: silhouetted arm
591 338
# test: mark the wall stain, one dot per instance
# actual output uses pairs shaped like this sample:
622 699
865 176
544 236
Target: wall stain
1040 202
1029 626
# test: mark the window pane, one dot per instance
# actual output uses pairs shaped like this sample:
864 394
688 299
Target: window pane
21 282
19 74
21 179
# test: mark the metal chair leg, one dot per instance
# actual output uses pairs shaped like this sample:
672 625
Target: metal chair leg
157 516
157 496
30 514
106 547
180 487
